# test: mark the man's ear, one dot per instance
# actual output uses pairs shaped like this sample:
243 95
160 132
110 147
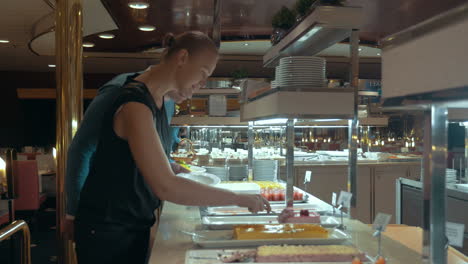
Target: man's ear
182 57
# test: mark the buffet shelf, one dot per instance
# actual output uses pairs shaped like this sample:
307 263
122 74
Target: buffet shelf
301 104
325 26
368 121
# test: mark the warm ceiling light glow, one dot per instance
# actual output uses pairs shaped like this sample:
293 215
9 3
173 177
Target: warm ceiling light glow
106 36
88 44
51 65
138 5
146 28
4 41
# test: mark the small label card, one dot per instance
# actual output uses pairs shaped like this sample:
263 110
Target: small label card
334 199
345 199
307 177
455 233
381 221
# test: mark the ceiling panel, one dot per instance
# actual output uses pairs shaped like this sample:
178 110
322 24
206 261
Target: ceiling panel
240 19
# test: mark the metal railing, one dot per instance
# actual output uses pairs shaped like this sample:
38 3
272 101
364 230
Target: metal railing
13 228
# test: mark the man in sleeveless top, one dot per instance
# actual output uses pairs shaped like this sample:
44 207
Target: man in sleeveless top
83 146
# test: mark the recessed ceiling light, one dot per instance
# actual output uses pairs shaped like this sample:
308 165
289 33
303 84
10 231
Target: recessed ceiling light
138 5
378 54
246 44
51 65
146 28
4 41
88 44
106 36
360 49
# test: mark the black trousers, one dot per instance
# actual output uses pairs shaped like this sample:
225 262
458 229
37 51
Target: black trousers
110 244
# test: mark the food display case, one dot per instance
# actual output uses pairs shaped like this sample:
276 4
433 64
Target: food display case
214 235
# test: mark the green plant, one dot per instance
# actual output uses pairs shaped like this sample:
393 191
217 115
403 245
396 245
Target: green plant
284 18
240 74
302 6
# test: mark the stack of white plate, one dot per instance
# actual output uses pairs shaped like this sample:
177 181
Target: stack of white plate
238 173
265 170
307 71
221 172
450 176
274 84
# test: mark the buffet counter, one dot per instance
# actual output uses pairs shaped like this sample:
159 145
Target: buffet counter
178 222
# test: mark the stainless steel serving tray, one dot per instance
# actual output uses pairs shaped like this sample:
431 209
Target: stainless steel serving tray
276 209
227 222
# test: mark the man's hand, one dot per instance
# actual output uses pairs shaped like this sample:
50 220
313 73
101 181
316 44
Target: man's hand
176 168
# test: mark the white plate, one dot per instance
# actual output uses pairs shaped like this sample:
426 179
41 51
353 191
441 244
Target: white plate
311 71
302 65
297 60
224 239
296 79
203 177
302 75
227 222
196 169
210 256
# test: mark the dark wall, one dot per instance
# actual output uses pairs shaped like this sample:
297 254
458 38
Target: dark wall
32 122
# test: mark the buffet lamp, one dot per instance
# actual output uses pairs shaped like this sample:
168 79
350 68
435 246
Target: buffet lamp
10 157
2 175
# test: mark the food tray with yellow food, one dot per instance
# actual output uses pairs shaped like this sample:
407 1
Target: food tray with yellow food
279 231
227 239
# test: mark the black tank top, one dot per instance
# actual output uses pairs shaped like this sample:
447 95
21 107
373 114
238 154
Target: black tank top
115 191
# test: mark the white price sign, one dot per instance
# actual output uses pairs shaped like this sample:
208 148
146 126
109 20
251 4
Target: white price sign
334 199
455 233
381 221
307 177
345 199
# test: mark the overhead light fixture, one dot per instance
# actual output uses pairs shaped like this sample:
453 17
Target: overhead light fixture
51 65
246 44
106 36
88 44
138 5
4 41
360 49
378 54
309 34
147 28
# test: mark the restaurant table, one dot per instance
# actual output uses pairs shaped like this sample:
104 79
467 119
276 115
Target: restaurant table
173 239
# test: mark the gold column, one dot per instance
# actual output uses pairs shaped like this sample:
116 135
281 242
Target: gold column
69 76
